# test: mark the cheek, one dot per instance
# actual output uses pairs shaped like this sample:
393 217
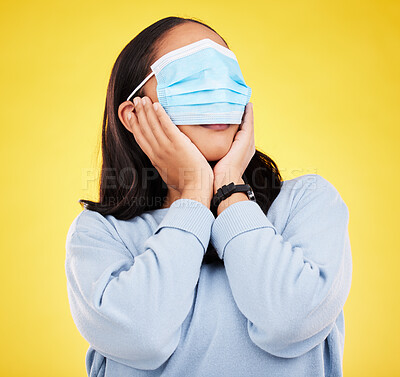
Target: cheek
194 133
233 130
212 144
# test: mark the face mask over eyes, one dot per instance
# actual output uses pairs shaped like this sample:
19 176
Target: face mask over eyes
200 83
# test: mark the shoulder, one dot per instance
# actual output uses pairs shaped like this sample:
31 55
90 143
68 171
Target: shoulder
94 223
85 220
315 191
91 227
306 182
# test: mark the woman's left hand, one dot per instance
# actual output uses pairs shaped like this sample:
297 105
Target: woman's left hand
231 167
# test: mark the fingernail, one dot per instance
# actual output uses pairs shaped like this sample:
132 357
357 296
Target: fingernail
144 101
155 105
136 101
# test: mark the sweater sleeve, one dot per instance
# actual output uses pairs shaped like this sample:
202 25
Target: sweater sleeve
291 287
130 309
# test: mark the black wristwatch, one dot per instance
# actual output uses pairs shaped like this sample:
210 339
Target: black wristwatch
227 190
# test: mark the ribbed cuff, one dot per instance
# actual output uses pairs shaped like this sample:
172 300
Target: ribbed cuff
192 216
239 217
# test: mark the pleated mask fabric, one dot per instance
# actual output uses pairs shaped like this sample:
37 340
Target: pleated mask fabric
200 83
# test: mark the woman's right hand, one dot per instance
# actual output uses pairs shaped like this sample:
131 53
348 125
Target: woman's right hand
179 162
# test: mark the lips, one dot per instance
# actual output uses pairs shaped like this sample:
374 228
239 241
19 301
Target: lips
216 126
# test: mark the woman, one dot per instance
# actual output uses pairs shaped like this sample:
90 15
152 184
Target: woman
162 282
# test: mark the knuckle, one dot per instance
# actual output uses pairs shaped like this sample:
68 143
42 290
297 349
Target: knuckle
167 144
156 154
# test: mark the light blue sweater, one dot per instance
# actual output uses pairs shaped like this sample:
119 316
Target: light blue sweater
142 299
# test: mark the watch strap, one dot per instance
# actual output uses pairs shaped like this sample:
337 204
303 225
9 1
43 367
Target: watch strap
227 190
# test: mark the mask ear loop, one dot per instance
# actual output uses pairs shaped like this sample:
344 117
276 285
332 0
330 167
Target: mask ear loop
140 85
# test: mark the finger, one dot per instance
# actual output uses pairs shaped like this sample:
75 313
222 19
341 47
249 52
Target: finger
249 127
246 132
155 125
139 137
144 124
170 129
248 119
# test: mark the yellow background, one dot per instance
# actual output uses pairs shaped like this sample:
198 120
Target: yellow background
325 80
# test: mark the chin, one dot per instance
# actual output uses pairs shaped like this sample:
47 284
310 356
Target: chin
215 154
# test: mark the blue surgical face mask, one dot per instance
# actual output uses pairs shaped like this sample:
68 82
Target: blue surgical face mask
200 83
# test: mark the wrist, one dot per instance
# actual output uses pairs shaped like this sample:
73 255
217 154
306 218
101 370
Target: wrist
200 196
234 198
218 183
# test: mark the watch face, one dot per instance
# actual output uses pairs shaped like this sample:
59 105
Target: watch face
250 194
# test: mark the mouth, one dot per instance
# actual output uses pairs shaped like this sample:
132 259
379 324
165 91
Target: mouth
215 126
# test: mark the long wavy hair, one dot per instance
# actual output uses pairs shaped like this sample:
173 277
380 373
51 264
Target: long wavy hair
124 193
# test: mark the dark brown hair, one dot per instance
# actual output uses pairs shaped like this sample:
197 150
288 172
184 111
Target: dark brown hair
124 193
